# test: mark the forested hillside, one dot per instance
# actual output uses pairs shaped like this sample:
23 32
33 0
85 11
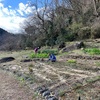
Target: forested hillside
61 21
9 41
58 21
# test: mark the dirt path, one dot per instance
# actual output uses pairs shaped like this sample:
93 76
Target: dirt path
11 89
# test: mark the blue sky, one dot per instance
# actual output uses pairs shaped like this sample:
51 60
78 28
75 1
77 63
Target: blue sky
14 3
12 13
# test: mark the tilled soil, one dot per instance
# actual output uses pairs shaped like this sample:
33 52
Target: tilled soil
67 81
12 89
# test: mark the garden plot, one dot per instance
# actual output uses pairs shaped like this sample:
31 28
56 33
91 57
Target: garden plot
65 81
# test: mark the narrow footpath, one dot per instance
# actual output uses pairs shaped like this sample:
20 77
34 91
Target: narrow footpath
12 89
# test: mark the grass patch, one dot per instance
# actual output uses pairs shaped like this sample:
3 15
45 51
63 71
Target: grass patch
35 95
64 53
80 91
62 93
97 63
43 53
94 79
77 86
92 51
48 51
71 61
39 55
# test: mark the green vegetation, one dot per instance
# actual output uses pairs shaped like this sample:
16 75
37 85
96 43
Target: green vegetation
39 55
48 51
30 70
43 53
93 79
31 65
62 93
71 61
71 23
80 91
95 32
64 27
21 79
84 33
92 51
97 63
35 95
77 86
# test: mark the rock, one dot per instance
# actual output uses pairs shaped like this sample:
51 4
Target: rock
39 89
46 93
29 79
14 68
41 59
25 56
26 77
18 74
62 45
42 91
26 60
7 69
6 59
31 82
79 45
51 98
14 72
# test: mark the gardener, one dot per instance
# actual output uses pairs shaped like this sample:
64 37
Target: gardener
36 49
52 58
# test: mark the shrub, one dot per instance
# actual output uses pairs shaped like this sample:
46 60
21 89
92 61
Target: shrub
60 39
38 42
70 37
47 51
95 32
75 27
73 31
84 33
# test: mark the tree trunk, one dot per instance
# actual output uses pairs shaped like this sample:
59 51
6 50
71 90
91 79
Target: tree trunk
94 5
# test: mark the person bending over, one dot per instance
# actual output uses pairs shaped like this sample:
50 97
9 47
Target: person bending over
52 57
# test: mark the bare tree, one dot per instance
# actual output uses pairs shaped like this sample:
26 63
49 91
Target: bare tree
48 20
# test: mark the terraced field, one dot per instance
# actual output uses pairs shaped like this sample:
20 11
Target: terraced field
62 80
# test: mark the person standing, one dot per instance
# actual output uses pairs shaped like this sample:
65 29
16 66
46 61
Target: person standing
36 50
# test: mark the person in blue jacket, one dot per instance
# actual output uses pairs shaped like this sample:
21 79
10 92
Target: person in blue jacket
52 57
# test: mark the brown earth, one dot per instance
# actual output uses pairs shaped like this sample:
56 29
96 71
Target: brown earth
65 80
12 89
